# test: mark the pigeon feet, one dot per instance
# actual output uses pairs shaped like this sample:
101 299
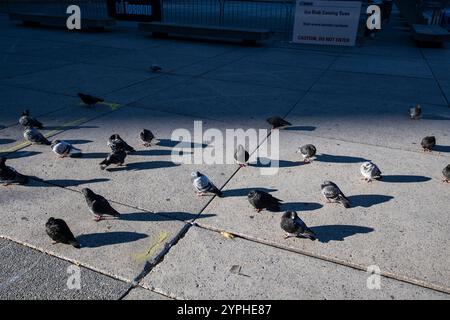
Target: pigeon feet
98 218
445 180
287 236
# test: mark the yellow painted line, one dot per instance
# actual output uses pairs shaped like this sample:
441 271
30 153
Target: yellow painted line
112 105
25 143
141 257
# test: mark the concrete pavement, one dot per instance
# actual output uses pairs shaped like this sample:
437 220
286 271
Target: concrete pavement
352 103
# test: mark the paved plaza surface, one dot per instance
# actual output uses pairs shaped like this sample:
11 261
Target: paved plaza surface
352 103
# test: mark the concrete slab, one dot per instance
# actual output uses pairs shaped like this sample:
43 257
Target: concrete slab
383 65
369 120
118 248
380 87
238 104
150 181
32 275
94 79
266 273
384 223
139 293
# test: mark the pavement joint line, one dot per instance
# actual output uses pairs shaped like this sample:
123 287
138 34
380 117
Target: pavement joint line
62 257
435 78
146 289
386 274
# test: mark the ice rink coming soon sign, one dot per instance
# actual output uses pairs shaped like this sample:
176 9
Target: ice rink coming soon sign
326 22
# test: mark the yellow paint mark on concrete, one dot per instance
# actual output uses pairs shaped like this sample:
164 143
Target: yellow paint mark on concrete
64 126
112 105
141 257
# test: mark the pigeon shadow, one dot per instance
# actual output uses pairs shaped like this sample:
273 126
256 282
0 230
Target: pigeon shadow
301 128
162 216
368 200
74 183
338 232
5 141
95 155
180 144
159 152
21 154
434 117
338 159
440 148
78 141
270 163
243 192
403 178
138 166
301 206
68 127
95 240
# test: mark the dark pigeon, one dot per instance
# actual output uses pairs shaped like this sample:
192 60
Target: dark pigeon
146 137
446 173
98 205
241 156
262 200
10 176
116 143
116 158
33 136
333 194
27 121
59 232
278 122
428 143
89 100
307 151
295 227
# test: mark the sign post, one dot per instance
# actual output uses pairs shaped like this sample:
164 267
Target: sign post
326 22
135 10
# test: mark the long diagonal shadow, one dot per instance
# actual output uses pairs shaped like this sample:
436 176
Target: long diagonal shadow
162 216
338 159
338 232
368 200
403 178
95 240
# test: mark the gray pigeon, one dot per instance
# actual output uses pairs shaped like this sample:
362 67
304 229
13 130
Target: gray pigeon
116 143
146 137
98 205
446 173
202 184
27 121
308 152
155 68
35 137
117 158
65 149
415 112
295 227
10 176
370 171
262 200
59 232
428 143
241 156
332 193
277 122
88 99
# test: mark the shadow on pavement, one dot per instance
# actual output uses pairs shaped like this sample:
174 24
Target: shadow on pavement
22 154
301 206
162 216
95 240
339 159
137 166
5 141
368 200
403 178
243 192
338 232
300 128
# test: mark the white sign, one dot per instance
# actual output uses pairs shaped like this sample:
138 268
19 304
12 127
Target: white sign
326 22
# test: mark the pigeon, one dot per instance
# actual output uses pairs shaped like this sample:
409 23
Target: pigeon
98 205
155 68
35 137
278 122
415 112
26 121
146 137
370 171
59 232
202 184
262 200
307 151
428 143
333 194
117 158
241 156
116 143
65 149
295 227
89 100
446 173
10 176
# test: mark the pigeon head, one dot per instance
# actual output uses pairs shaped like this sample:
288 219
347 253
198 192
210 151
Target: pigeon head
327 183
195 174
50 220
115 136
26 112
87 192
290 215
2 162
367 165
55 142
251 194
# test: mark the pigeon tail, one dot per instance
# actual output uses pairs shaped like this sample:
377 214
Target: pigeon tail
21 179
309 234
75 244
344 200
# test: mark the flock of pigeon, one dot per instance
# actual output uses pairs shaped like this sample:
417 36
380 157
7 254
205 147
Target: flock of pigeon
59 232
